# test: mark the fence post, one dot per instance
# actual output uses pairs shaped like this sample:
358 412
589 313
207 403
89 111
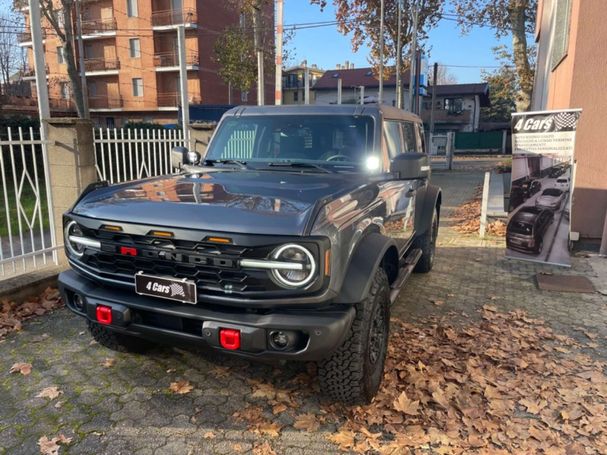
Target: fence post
71 158
484 203
450 148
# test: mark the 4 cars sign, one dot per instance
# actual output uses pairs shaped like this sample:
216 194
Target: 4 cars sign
540 196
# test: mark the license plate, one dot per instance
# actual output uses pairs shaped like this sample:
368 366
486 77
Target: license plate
166 288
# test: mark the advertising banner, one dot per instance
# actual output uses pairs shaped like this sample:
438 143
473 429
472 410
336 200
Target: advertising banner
542 183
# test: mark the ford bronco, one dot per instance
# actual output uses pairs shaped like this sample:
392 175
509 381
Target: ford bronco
289 240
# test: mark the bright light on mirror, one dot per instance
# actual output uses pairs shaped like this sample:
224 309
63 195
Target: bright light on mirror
372 163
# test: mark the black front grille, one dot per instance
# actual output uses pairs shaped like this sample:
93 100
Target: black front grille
213 267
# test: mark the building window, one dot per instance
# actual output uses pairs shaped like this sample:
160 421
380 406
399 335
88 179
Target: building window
296 95
91 88
244 97
131 8
64 88
109 122
137 86
454 105
135 47
561 33
60 55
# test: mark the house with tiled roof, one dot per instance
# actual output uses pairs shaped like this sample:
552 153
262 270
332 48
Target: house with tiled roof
457 106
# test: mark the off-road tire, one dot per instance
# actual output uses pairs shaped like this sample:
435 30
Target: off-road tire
350 375
117 341
427 243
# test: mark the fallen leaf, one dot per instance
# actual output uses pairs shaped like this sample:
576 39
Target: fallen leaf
181 387
280 407
263 448
405 405
21 367
51 446
49 392
108 362
209 435
307 422
343 438
270 429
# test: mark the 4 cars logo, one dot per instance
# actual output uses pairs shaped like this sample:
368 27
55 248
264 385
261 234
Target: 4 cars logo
534 124
177 289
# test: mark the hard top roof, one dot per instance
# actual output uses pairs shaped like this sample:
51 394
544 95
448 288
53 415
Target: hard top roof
326 109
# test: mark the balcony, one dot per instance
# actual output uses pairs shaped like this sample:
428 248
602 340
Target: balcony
29 74
61 104
169 61
446 116
98 28
169 19
25 38
105 103
168 101
101 66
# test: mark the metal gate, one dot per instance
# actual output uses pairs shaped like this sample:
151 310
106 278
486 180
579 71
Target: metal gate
26 218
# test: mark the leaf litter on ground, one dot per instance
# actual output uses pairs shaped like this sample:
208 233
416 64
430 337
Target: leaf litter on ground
12 314
496 386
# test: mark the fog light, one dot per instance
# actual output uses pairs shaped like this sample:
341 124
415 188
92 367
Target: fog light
78 302
229 339
104 314
281 340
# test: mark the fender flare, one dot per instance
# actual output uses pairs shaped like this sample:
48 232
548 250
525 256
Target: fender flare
431 199
365 260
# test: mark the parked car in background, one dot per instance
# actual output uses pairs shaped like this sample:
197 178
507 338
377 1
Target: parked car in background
551 198
530 187
556 172
526 229
562 183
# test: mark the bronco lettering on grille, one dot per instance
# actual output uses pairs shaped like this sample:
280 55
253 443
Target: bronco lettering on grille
188 258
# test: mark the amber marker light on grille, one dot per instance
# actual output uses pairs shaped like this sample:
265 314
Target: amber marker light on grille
165 234
110 227
219 240
328 263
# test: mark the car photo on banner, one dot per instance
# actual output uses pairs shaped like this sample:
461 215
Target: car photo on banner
542 163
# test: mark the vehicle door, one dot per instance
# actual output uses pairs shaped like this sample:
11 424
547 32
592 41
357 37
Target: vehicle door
399 195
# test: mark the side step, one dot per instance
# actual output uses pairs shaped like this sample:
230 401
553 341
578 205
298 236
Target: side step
408 263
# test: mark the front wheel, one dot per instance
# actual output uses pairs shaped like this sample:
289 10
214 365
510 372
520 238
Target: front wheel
353 373
427 243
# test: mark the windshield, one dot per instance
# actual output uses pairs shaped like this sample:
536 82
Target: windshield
315 139
521 227
552 192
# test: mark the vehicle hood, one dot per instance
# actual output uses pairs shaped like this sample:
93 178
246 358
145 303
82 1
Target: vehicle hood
256 202
547 200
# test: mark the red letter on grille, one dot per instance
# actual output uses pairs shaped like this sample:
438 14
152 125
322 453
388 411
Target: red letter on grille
128 251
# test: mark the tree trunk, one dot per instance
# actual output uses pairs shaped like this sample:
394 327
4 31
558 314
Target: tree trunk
521 55
70 57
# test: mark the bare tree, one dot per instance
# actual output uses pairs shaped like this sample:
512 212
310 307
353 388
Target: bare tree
9 53
62 20
444 76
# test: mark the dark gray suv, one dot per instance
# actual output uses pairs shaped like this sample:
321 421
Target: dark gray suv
289 239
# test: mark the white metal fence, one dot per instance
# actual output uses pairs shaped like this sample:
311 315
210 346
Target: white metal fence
25 219
130 154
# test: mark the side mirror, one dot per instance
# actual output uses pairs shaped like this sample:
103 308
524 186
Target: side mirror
409 166
181 156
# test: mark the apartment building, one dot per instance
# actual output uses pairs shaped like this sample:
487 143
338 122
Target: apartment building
294 83
131 58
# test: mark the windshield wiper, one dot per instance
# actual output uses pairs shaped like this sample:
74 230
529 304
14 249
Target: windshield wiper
302 165
240 164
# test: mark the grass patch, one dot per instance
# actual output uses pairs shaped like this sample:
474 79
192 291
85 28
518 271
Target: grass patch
28 202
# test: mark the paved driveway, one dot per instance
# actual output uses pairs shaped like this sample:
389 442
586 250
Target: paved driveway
125 406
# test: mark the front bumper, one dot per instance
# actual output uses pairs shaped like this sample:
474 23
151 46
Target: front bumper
319 331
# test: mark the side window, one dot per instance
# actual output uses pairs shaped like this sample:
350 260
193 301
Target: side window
421 138
409 137
393 139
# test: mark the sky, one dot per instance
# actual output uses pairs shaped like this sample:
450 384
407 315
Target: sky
326 47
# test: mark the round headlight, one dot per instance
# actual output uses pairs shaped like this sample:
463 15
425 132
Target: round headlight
297 277
72 229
